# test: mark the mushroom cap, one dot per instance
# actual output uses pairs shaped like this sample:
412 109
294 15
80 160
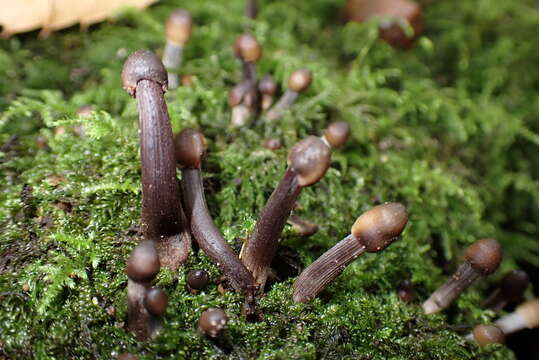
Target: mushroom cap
484 255
247 48
190 146
212 322
143 264
300 80
156 301
197 279
310 158
143 65
529 311
377 228
514 284
178 27
337 133
267 85
488 334
127 356
272 143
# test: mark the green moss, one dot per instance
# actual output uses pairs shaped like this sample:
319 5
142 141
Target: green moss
446 128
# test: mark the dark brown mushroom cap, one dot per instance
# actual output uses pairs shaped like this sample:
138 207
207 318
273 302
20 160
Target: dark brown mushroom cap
337 133
247 48
300 80
377 228
156 301
178 27
488 334
190 146
212 322
197 279
310 158
514 284
484 255
143 264
143 65
127 356
267 85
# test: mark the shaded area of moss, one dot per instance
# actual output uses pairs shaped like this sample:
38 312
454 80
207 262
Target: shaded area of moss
446 128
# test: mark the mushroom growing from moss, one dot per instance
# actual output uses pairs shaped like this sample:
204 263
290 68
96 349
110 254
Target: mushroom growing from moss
267 87
178 28
144 77
488 334
251 8
480 259
197 280
308 161
156 301
298 82
212 322
336 134
373 231
190 149
526 316
510 290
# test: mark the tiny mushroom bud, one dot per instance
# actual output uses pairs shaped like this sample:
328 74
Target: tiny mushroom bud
267 87
144 77
247 48
197 280
178 29
488 334
510 290
241 101
336 134
373 231
298 82
190 148
156 301
526 316
307 162
212 322
481 258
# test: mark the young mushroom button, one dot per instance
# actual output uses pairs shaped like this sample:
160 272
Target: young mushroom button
212 322
488 334
156 301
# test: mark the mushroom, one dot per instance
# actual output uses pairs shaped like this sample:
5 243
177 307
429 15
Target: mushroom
510 290
308 161
197 280
373 231
249 51
480 259
267 87
142 267
336 134
178 29
297 83
272 143
156 301
241 99
526 316
251 8
212 322
145 78
302 227
488 334
190 149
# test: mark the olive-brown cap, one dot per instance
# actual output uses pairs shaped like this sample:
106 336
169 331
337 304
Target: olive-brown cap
484 255
178 27
212 322
337 133
267 85
529 311
247 48
488 334
310 158
156 301
377 228
300 80
143 264
514 284
197 279
190 146
143 65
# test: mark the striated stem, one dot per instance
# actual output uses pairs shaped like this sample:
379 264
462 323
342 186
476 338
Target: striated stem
280 107
326 268
140 322
172 59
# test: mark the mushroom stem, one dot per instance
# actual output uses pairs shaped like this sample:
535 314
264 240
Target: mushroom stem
248 72
140 322
526 316
172 59
280 107
251 9
178 29
326 268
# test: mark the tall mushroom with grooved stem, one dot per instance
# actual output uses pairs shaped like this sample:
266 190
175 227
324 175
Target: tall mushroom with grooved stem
308 161
481 258
178 29
190 148
144 77
373 231
299 81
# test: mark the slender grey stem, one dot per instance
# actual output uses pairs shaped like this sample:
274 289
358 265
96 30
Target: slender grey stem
280 107
172 59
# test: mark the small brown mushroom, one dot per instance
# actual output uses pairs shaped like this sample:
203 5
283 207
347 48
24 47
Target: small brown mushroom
267 87
272 143
336 134
212 322
482 258
510 290
178 28
373 231
299 81
249 51
156 301
197 280
526 316
488 334
308 161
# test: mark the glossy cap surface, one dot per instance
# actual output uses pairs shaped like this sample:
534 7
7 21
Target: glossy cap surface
484 255
189 147
488 334
247 48
300 80
310 158
377 228
156 301
212 322
178 27
143 65
197 279
337 133
143 264
514 284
